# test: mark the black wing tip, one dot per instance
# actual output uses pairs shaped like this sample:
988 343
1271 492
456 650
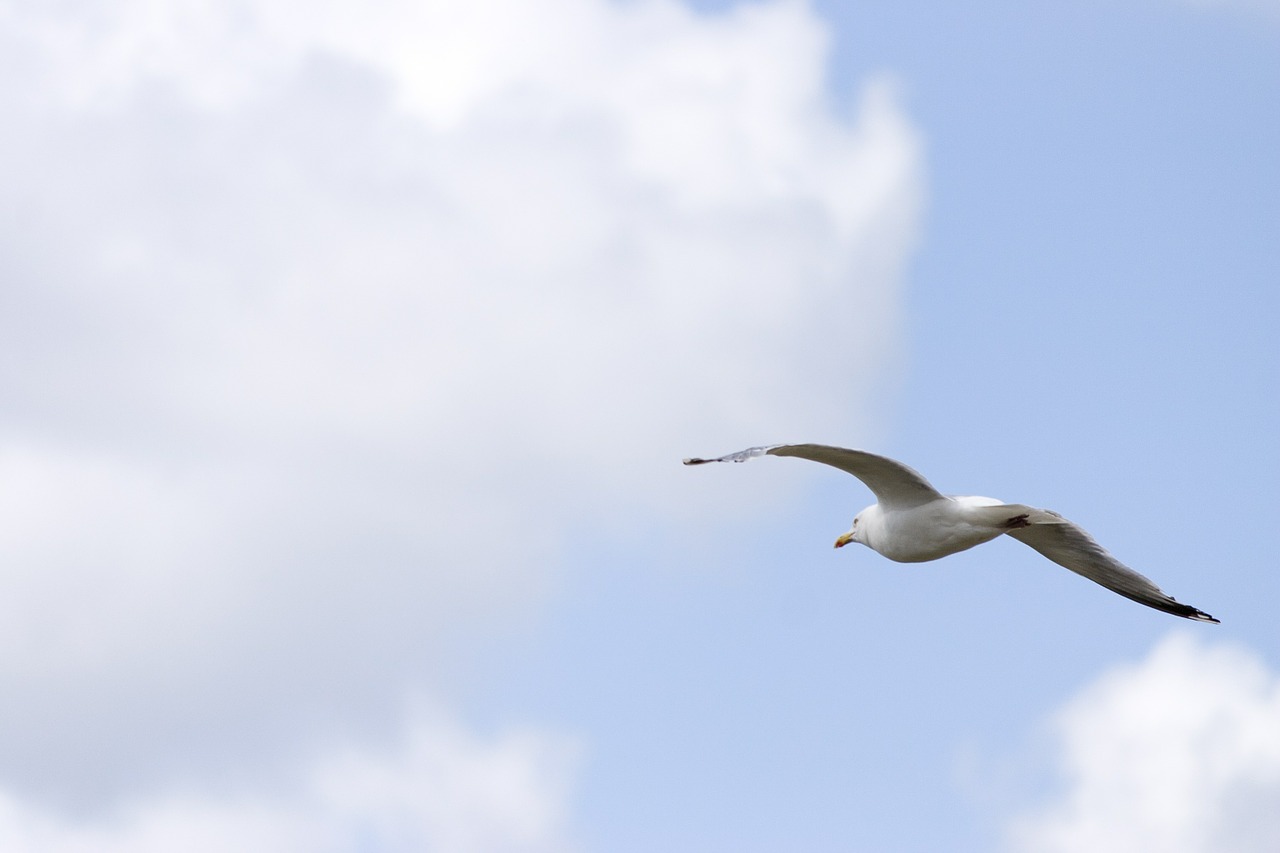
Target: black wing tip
1186 611
696 461
1172 606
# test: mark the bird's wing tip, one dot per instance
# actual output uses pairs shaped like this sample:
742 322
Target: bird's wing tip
740 456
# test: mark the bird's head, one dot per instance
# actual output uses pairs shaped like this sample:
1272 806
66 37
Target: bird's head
855 533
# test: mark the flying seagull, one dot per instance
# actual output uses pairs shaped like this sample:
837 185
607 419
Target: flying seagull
912 522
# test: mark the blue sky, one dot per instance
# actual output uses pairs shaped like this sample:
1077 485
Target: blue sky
348 353
1088 324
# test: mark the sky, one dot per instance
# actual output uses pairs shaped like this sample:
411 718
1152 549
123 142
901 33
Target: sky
348 353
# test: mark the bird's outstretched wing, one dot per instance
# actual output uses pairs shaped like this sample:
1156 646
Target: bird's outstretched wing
895 485
1070 545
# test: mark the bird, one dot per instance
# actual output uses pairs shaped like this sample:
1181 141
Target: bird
912 522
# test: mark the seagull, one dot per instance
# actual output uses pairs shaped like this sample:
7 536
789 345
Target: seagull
912 522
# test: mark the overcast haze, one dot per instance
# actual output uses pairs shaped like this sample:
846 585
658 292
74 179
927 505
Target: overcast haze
348 353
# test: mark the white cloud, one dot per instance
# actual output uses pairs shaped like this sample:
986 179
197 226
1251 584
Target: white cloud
323 323
440 789
1177 754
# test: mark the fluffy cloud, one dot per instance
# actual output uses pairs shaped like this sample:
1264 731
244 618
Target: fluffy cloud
323 323
439 789
1177 754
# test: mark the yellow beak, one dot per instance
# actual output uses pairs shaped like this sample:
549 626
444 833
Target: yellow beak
844 539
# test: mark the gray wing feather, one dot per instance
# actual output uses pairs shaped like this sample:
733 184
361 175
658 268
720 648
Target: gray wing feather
740 456
894 484
1070 546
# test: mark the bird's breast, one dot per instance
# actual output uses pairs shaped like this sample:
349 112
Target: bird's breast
924 533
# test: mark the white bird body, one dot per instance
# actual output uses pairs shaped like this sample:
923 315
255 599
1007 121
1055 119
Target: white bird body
930 531
912 522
